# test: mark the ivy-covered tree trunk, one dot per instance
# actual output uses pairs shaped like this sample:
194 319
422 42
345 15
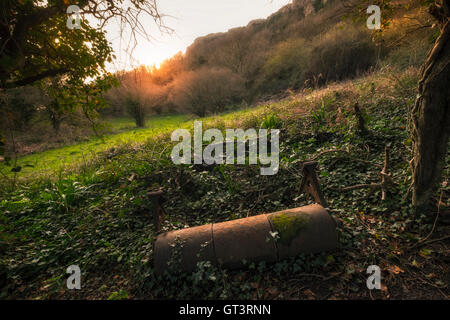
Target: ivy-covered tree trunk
431 114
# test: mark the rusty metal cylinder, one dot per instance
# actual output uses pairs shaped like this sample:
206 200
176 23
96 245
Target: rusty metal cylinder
267 237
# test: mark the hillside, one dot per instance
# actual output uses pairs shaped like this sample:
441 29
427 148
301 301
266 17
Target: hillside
98 216
81 167
306 44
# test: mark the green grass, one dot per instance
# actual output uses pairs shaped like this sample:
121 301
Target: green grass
152 122
123 131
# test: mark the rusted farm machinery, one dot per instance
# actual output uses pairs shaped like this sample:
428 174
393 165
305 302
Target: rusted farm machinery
267 237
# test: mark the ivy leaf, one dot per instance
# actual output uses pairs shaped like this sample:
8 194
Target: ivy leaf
426 252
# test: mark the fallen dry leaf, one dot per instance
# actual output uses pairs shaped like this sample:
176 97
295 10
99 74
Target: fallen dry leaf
395 269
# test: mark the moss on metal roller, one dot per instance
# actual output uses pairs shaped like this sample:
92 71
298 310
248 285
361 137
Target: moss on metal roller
289 225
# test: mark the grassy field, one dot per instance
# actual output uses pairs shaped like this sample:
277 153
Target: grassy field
121 131
98 216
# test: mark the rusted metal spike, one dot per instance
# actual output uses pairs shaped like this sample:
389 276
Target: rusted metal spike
157 199
310 183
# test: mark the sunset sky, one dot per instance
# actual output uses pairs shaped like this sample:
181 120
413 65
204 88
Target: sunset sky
189 20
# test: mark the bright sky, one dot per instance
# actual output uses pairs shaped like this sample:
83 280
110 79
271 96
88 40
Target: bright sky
190 19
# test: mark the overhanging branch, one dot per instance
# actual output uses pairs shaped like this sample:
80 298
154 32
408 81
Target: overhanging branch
37 77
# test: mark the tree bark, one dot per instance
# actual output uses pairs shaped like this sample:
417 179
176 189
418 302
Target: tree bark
431 116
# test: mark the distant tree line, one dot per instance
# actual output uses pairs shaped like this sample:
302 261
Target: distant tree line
299 46
289 50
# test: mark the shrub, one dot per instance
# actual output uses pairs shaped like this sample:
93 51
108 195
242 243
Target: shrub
206 90
21 105
136 110
342 53
144 87
412 55
23 112
287 66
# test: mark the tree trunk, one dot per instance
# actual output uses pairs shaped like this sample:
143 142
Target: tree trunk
431 116
54 116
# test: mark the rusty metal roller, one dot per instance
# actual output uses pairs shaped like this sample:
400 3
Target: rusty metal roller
268 237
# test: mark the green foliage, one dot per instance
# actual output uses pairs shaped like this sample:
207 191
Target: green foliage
271 121
22 111
121 295
38 45
82 53
67 96
322 115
